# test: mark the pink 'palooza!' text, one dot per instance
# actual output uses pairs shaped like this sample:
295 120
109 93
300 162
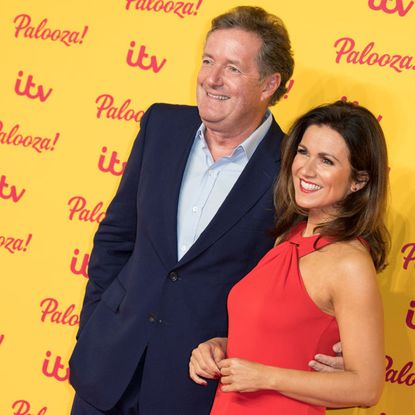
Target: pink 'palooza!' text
179 8
25 28
346 52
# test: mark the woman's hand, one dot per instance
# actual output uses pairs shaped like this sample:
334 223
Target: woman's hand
240 375
205 358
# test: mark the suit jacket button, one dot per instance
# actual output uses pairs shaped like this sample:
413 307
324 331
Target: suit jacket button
152 318
173 276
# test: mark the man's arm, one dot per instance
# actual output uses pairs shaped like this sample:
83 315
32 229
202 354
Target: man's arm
115 238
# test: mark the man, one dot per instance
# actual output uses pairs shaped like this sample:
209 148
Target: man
191 217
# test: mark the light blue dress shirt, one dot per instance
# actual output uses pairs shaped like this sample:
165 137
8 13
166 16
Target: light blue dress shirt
206 183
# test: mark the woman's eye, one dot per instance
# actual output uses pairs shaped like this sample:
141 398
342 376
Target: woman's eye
327 161
301 151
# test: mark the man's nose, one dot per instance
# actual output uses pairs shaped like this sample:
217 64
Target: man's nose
215 75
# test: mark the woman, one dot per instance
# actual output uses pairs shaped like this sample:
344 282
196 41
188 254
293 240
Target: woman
318 284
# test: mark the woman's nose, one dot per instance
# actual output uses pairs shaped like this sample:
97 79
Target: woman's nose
308 169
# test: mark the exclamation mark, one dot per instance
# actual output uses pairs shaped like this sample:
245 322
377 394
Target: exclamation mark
29 238
289 86
199 3
55 141
345 99
83 34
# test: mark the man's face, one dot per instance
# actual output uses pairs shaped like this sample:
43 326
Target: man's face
231 96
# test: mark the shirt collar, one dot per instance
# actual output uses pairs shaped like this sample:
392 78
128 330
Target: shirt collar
250 144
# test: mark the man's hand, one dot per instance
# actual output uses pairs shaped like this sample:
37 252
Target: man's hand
240 375
324 363
205 359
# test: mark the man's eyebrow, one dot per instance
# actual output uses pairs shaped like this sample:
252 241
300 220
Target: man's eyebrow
233 62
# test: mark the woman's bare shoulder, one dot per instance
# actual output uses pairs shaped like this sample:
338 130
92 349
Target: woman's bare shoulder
349 259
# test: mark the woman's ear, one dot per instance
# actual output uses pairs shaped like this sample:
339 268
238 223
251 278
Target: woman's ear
360 182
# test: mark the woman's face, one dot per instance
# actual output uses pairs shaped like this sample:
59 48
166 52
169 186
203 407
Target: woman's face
321 172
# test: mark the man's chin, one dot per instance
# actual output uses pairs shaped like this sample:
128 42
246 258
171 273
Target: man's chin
211 122
211 117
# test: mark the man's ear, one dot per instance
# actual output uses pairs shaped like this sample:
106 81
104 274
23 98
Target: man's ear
271 84
361 181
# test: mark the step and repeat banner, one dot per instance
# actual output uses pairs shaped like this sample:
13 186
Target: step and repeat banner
76 78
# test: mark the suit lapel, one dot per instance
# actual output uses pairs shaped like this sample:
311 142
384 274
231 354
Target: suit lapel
254 181
164 216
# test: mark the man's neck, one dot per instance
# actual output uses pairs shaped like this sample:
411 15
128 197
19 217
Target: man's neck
223 144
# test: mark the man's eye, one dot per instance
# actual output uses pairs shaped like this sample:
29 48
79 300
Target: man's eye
233 69
206 61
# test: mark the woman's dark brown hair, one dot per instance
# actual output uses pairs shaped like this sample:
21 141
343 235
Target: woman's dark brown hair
361 213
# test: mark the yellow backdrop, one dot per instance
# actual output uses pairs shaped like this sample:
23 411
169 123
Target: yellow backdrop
76 77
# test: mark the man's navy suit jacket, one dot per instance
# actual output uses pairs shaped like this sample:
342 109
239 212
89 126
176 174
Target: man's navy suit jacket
140 299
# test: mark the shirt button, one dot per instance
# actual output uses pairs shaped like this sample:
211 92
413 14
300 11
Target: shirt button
194 209
183 248
173 276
